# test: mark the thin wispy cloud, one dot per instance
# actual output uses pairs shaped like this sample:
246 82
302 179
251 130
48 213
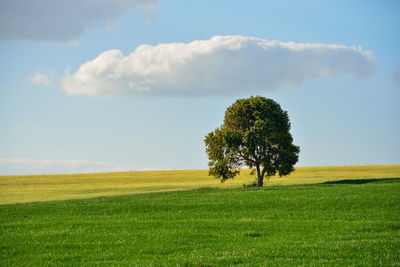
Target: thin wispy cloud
223 65
396 73
33 166
41 78
63 21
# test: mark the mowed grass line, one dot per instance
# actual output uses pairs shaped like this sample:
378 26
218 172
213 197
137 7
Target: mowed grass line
354 223
33 188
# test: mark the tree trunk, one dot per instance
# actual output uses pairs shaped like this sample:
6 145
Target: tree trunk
260 177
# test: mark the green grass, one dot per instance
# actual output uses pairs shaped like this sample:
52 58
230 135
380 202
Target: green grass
350 222
33 188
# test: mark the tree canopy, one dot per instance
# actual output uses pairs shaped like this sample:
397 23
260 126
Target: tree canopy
255 133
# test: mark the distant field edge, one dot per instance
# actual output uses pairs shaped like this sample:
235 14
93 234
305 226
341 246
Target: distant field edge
50 187
193 170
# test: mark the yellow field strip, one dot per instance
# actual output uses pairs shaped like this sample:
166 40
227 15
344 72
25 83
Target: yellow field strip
34 188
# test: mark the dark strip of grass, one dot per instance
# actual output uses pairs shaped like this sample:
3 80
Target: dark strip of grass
361 181
325 224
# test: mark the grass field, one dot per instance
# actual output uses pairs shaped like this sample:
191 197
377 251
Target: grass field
342 223
33 188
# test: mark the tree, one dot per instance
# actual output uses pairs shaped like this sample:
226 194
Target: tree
255 133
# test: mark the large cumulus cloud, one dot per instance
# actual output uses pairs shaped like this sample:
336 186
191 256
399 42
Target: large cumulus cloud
223 65
62 20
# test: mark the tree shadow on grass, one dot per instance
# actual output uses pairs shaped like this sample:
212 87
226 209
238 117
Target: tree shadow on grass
361 181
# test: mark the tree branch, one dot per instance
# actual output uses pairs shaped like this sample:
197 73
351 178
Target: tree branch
245 158
263 171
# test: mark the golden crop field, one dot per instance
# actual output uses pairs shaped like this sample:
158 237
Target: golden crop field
34 188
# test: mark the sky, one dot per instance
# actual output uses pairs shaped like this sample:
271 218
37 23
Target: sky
95 86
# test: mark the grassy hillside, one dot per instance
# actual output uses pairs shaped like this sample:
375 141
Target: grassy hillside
32 188
352 222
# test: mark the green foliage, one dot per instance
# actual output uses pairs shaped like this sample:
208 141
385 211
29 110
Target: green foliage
224 161
255 133
336 224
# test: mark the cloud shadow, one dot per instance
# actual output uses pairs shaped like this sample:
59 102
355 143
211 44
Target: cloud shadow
360 181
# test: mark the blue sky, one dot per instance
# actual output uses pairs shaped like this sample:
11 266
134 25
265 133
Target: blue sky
160 74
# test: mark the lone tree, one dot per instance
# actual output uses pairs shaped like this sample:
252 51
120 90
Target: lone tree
255 133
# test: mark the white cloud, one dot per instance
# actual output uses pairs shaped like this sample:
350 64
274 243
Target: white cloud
41 78
63 20
223 65
396 73
31 166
